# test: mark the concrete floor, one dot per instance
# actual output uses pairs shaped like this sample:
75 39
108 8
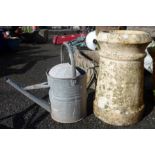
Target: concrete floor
28 66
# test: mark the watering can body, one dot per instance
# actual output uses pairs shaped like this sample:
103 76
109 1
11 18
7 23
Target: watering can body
67 98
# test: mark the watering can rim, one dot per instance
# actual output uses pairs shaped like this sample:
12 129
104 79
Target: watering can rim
73 78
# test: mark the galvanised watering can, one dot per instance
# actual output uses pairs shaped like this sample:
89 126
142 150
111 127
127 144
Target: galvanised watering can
67 91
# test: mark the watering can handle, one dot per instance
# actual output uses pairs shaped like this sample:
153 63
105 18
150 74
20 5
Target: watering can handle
71 56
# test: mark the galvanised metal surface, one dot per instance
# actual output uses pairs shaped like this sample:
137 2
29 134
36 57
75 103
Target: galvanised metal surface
68 96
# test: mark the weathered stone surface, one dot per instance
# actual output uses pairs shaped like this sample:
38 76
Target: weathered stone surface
119 92
149 29
87 60
108 28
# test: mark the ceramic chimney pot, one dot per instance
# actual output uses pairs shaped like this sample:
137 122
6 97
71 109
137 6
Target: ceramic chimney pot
119 93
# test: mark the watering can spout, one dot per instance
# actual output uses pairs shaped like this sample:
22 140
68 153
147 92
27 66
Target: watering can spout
40 102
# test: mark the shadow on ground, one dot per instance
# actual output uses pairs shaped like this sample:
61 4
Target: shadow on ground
90 99
148 93
26 119
26 57
19 120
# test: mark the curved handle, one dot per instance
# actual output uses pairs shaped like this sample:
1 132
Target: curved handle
71 56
